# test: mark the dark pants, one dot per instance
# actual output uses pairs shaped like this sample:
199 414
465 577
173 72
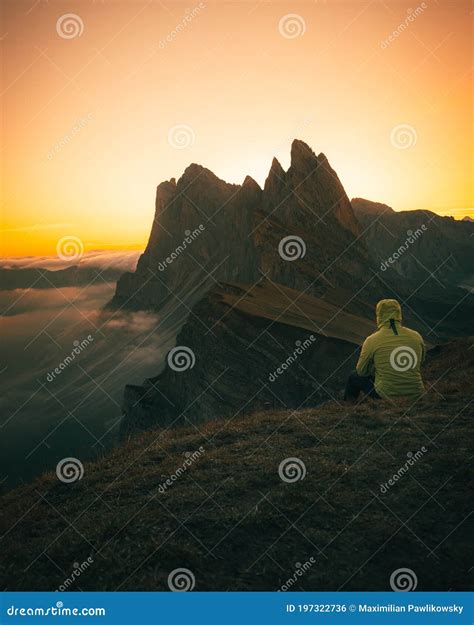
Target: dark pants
357 384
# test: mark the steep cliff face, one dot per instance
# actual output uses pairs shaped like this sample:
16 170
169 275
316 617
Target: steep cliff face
247 348
416 243
299 231
308 205
200 233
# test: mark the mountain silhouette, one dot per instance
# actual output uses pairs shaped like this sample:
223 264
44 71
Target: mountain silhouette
261 272
299 230
425 242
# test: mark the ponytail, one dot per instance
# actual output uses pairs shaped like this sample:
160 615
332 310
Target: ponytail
393 326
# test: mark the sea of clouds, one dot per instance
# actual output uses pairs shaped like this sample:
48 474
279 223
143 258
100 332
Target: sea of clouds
65 362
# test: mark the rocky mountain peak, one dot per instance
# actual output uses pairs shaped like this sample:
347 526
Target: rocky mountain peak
360 205
250 180
302 156
242 228
250 184
193 172
276 177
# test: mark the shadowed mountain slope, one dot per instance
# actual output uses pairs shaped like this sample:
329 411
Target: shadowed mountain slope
421 244
246 348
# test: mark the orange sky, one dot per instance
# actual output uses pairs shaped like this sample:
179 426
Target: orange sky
88 114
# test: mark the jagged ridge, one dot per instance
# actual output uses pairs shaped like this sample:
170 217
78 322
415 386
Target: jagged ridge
241 229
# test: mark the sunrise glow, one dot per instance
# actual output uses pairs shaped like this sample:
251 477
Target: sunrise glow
94 119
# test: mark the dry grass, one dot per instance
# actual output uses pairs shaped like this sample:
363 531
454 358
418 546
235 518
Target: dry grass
236 525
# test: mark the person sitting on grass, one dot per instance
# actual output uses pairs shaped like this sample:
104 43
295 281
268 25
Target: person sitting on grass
390 359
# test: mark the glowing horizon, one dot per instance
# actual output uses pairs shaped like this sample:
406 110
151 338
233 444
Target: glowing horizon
99 108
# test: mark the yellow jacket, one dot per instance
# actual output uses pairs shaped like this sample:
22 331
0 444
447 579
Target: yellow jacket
393 354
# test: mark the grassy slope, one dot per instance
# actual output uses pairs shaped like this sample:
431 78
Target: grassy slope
285 305
235 524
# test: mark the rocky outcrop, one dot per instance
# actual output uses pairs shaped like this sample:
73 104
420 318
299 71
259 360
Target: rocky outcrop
417 244
299 231
247 348
252 347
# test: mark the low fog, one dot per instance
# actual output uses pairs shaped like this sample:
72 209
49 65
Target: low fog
64 366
